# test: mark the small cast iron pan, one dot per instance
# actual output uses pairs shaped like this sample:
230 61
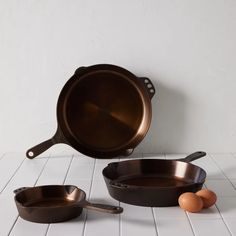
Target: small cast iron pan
153 182
103 111
55 203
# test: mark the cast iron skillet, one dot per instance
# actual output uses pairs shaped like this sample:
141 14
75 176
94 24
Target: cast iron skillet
55 203
153 182
103 111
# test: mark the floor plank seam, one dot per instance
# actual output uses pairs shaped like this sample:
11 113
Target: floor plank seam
42 170
190 223
68 169
222 171
164 156
120 223
13 175
222 218
89 195
34 185
47 229
155 221
63 182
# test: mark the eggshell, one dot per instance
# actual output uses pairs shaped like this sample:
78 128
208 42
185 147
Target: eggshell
190 202
208 197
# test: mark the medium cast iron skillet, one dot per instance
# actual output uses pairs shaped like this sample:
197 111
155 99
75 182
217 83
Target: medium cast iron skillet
55 203
153 182
103 111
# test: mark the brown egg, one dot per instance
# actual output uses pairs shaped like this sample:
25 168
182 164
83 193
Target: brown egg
190 202
208 197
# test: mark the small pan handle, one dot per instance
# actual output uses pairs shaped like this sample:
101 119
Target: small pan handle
40 148
102 207
149 86
193 156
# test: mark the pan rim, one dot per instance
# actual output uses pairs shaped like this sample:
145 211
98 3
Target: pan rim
73 204
116 184
149 159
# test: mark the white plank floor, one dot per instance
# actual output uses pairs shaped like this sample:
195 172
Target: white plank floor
17 171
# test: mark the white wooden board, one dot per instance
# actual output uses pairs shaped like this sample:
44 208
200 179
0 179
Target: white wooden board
86 173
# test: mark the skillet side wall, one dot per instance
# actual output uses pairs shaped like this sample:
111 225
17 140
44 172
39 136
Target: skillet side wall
153 197
48 215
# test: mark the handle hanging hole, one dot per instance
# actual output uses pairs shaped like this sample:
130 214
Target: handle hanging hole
31 154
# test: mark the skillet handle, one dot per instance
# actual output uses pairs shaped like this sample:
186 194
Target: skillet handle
39 148
42 147
102 207
149 86
193 156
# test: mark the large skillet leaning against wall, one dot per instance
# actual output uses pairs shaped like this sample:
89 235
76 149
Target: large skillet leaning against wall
153 182
103 111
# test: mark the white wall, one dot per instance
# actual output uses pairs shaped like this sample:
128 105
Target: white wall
187 48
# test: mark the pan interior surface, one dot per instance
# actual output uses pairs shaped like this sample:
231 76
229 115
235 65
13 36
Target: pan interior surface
154 173
104 110
156 181
50 196
50 202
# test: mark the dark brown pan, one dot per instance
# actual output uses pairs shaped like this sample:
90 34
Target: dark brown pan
103 111
153 182
55 203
